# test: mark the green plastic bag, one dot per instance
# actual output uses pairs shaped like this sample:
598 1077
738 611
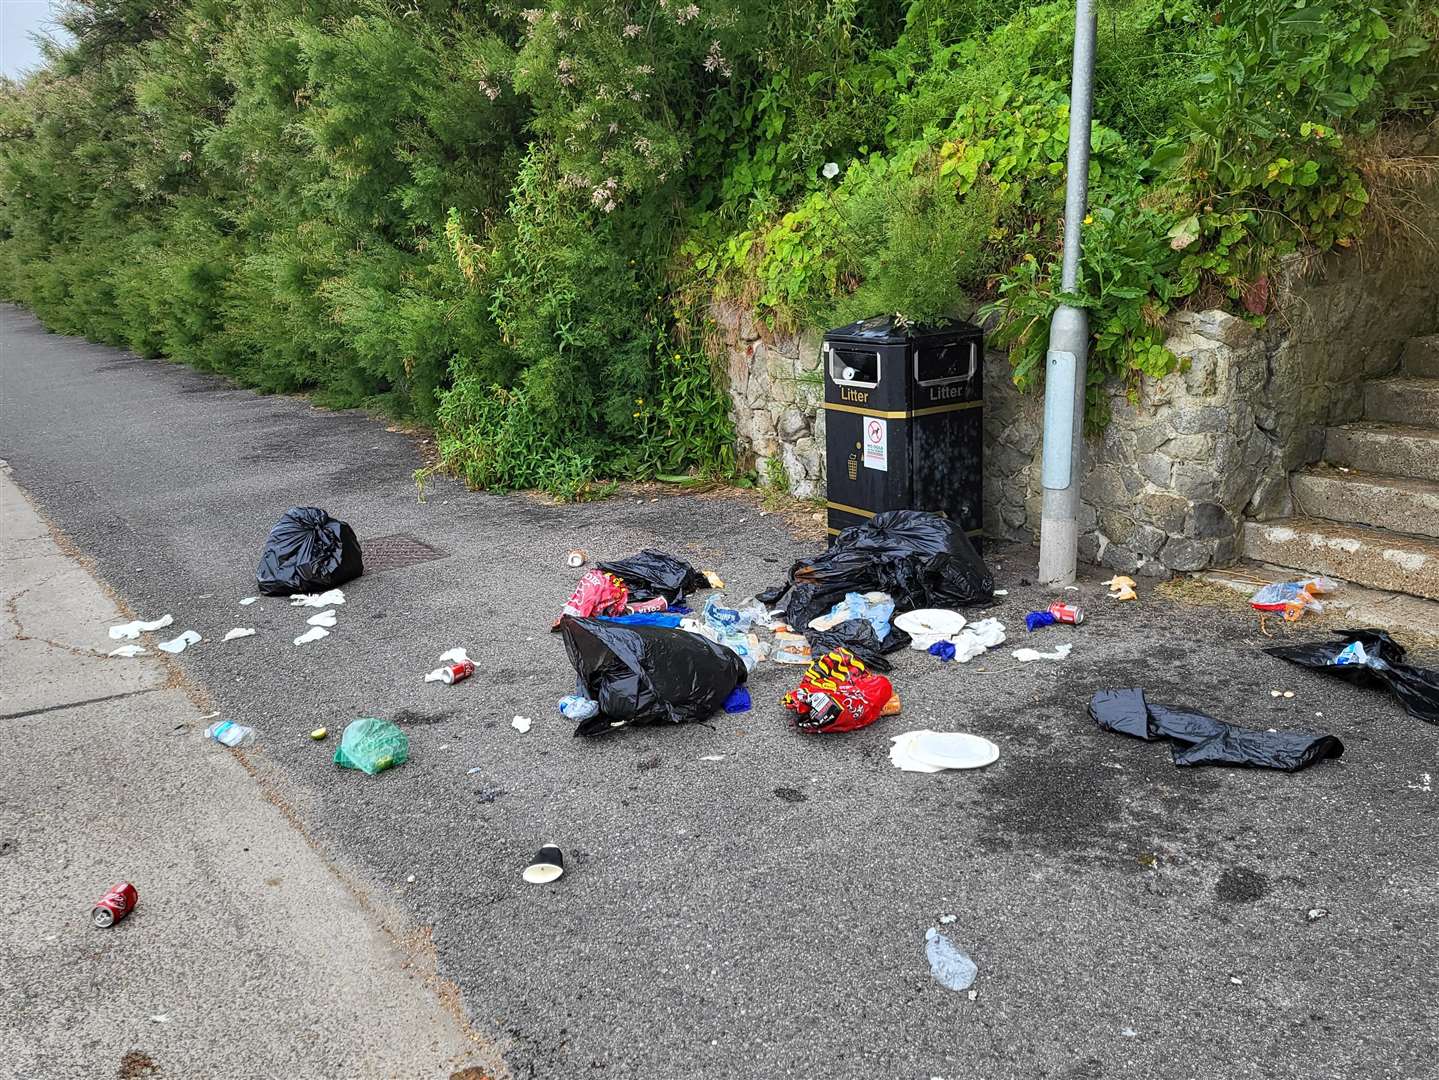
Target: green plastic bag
372 745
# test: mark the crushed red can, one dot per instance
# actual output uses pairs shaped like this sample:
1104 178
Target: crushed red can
453 673
1072 614
118 901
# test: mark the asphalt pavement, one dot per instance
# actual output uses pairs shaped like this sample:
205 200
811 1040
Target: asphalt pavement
762 915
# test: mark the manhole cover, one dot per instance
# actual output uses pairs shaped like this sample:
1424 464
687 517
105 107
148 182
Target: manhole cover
396 552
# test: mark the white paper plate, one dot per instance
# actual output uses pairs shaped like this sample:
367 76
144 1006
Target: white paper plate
951 750
928 625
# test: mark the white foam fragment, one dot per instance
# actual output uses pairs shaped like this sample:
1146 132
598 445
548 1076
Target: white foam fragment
324 618
181 643
521 724
247 601
454 656
131 630
1028 656
129 652
315 633
333 598
239 632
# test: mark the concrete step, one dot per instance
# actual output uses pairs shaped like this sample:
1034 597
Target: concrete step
1377 500
1372 557
1402 401
1421 357
1396 449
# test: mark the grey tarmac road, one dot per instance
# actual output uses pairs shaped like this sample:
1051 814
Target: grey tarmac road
1128 918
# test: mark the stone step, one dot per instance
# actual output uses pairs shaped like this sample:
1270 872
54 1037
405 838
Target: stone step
1396 449
1421 357
1402 401
1372 557
1378 500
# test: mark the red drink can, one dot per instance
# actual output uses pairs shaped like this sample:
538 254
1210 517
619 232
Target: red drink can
1066 613
118 901
460 669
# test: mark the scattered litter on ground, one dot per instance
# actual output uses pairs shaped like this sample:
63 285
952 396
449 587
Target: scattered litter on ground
239 632
837 693
926 751
713 757
521 724
648 674
210 716
410 879
945 920
1371 658
160 1018
875 608
117 902
1236 980
372 746
1293 598
1028 656
476 769
1000 592
1128 1032
1426 783
547 864
653 573
319 733
578 707
791 649
948 963
714 580
1057 612
1121 588
670 619
1314 914
179 644
920 559
944 650
315 633
1200 739
307 551
131 630
247 601
738 700
576 558
323 618
329 598
892 707
129 652
229 733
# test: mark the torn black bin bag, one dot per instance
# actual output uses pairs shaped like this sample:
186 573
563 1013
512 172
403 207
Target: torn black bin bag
648 674
653 573
920 559
1416 688
1200 739
308 551
858 636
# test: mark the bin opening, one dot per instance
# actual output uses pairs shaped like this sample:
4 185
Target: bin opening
853 367
948 362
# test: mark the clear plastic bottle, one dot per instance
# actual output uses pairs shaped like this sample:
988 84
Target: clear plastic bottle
230 733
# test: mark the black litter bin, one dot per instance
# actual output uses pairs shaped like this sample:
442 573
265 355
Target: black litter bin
904 420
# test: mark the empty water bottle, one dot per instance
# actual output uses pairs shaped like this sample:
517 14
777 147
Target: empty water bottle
578 707
230 733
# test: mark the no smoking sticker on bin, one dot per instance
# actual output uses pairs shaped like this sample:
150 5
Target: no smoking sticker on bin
876 444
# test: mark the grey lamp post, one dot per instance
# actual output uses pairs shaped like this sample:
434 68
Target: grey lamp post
1068 337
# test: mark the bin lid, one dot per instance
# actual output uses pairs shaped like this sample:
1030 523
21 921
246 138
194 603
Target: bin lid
886 330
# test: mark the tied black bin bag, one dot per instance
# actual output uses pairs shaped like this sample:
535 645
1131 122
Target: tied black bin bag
648 674
920 559
308 551
1378 662
654 573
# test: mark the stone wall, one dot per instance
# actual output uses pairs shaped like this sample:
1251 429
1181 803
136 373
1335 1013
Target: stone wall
1185 458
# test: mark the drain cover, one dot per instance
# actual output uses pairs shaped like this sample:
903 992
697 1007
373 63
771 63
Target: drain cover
396 552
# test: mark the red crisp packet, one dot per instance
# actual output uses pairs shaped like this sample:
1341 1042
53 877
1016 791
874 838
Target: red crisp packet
838 693
598 593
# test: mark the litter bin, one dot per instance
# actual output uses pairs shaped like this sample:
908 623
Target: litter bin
904 421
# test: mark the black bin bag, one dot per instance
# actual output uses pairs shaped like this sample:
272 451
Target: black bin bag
648 674
308 551
654 573
1383 664
920 559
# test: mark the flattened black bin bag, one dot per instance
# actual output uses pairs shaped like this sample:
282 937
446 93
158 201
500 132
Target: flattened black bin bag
1200 739
308 551
648 674
1382 664
920 559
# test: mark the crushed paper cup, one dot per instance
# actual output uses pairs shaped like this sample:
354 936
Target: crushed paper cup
547 865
